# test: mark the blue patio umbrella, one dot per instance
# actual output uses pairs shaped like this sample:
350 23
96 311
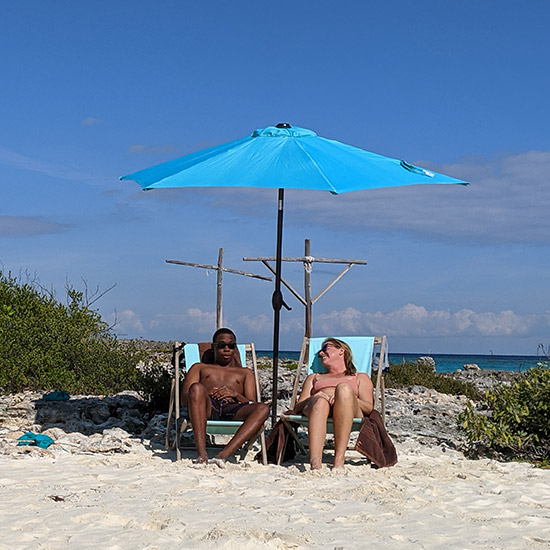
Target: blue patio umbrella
285 157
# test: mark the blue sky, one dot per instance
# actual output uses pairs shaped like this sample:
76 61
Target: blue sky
93 91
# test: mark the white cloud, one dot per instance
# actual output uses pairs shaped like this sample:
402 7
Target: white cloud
506 202
257 325
126 322
24 162
197 325
27 226
90 121
414 320
409 321
193 321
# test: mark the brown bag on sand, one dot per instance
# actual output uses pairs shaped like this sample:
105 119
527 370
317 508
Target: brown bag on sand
278 439
375 443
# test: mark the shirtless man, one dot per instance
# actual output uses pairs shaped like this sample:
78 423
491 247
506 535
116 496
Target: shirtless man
219 391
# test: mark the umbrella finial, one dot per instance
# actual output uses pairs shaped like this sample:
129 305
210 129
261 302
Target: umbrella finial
283 125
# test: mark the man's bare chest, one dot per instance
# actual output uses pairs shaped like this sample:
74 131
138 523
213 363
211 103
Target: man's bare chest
222 376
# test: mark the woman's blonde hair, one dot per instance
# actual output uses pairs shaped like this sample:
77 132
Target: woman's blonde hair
348 355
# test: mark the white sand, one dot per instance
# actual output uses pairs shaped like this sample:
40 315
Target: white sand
430 499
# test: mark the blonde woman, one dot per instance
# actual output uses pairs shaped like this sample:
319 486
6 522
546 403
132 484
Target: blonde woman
341 393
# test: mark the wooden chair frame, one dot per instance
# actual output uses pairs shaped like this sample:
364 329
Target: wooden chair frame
225 427
377 362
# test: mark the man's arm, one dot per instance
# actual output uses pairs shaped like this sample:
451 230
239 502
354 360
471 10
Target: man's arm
231 393
249 386
192 376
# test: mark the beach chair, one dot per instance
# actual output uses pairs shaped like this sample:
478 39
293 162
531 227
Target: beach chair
369 353
195 353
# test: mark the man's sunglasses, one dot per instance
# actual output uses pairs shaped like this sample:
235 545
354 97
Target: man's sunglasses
221 345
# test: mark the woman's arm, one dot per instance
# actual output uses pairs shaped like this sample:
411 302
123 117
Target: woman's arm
366 389
305 394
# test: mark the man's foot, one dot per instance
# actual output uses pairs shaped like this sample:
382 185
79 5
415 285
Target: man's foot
338 463
219 462
200 461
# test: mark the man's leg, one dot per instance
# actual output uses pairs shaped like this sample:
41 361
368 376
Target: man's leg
253 415
200 409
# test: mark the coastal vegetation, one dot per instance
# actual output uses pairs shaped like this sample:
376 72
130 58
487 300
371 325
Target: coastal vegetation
46 344
513 422
417 373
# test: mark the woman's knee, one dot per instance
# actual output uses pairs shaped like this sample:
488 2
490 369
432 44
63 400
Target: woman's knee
318 404
343 391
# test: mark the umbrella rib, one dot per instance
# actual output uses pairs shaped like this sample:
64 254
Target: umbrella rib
332 188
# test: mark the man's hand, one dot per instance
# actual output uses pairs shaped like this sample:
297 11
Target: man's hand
223 393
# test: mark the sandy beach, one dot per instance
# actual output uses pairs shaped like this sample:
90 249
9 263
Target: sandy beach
433 498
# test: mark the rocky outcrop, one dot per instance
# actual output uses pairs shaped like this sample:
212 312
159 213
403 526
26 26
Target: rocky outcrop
119 423
82 423
485 379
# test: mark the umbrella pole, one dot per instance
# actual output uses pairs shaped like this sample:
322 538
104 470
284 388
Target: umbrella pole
277 302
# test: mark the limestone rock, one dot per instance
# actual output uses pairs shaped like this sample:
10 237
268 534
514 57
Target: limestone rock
427 361
471 366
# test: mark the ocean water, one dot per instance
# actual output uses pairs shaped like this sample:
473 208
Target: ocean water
446 362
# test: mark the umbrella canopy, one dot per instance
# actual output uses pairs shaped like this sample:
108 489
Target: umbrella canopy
285 157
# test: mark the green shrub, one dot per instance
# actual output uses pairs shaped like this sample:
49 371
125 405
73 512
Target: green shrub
155 384
516 422
46 345
269 366
409 374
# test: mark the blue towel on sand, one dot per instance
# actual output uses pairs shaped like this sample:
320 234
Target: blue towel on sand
39 440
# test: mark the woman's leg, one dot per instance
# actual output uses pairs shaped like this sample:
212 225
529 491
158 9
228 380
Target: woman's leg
344 409
317 410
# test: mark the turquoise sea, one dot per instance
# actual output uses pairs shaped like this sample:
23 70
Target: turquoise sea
447 362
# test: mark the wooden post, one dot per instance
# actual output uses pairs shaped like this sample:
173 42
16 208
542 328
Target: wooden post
219 280
307 287
219 317
308 261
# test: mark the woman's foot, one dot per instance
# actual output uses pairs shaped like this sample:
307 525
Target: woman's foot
316 464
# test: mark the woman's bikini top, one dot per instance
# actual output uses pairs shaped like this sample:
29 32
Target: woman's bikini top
328 381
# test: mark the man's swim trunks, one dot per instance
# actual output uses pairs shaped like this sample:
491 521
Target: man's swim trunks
224 410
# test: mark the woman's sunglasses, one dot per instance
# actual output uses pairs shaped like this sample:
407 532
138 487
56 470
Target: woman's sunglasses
221 345
325 347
